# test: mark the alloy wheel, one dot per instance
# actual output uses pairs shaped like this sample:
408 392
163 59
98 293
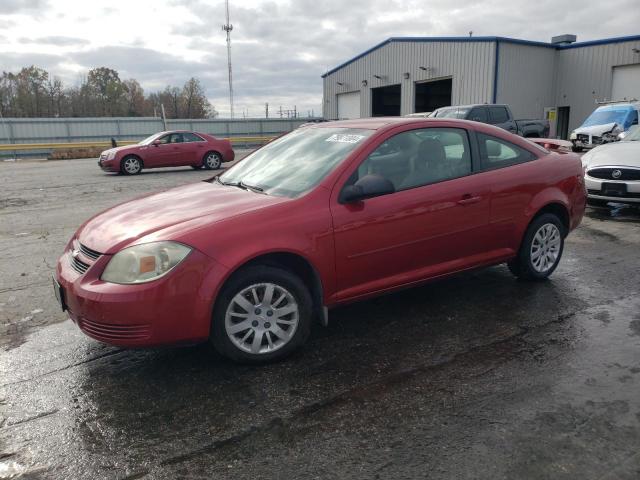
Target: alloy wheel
262 318
132 165
545 247
213 161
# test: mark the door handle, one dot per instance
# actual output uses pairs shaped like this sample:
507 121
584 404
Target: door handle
469 199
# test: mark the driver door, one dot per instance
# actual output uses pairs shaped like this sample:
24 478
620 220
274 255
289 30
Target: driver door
436 221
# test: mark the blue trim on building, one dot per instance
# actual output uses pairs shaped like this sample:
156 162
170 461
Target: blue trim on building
516 41
495 73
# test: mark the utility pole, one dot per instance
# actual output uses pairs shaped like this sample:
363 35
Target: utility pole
266 110
164 117
227 27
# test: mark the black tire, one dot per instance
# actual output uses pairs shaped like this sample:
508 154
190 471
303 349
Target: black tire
576 149
127 165
212 161
595 202
522 266
248 277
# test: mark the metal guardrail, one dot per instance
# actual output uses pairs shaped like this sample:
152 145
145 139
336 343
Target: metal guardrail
11 147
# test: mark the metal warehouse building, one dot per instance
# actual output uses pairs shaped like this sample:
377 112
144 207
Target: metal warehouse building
561 80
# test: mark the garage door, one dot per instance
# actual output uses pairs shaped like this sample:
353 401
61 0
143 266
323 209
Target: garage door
349 105
626 82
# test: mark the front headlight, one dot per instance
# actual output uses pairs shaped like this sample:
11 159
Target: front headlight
573 136
144 263
111 155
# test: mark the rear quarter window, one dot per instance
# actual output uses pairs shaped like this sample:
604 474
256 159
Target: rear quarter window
498 153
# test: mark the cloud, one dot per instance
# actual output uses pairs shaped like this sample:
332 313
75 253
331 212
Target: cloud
280 48
57 40
8 7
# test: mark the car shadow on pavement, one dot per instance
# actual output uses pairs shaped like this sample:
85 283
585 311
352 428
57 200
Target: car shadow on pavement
147 400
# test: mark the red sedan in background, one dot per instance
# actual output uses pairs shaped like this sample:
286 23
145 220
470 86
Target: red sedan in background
325 215
168 149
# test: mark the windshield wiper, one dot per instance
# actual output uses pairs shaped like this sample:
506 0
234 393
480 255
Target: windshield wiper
253 188
241 184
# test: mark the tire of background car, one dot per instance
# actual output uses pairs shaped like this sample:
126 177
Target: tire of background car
262 314
131 165
541 248
576 149
212 161
596 202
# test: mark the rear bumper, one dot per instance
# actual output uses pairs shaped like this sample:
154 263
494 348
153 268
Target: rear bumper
175 309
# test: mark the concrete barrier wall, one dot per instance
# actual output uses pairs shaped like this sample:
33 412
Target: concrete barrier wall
100 130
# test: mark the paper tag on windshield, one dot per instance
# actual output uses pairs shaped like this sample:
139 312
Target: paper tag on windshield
344 138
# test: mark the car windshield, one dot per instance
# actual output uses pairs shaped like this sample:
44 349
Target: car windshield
602 117
633 135
295 163
452 112
148 140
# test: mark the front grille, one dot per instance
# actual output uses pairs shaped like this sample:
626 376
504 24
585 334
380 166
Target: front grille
585 139
113 332
606 173
78 265
87 252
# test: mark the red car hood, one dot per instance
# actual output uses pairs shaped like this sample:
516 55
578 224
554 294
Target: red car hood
123 148
124 224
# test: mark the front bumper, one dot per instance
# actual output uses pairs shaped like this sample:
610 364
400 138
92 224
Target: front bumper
109 165
595 190
175 309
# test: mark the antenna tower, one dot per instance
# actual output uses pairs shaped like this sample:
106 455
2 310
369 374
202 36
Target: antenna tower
227 27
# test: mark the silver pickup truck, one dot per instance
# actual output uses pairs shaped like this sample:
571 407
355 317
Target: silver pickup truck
495 114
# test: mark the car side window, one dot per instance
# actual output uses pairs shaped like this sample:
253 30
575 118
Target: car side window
165 139
419 157
191 137
498 115
498 153
479 114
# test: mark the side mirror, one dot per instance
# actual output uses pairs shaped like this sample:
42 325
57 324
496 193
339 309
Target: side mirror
369 186
155 143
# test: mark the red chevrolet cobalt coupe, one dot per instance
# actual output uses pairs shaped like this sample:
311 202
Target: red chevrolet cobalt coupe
168 149
328 214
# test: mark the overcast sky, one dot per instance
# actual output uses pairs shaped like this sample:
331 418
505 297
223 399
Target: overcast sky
279 48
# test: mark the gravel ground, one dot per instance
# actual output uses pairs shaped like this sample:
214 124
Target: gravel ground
479 376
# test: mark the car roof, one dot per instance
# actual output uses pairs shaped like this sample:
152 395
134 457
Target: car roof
471 105
378 123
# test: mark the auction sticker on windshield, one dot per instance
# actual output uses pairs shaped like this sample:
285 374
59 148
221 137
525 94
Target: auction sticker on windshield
344 138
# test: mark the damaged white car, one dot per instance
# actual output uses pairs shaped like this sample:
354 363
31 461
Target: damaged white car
604 125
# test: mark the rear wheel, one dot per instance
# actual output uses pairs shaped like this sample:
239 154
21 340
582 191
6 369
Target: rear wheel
541 249
212 161
131 165
262 314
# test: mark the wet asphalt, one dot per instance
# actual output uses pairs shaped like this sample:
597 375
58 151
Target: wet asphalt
478 376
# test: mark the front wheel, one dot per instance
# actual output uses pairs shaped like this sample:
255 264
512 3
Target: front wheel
576 149
131 165
263 314
541 249
212 161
